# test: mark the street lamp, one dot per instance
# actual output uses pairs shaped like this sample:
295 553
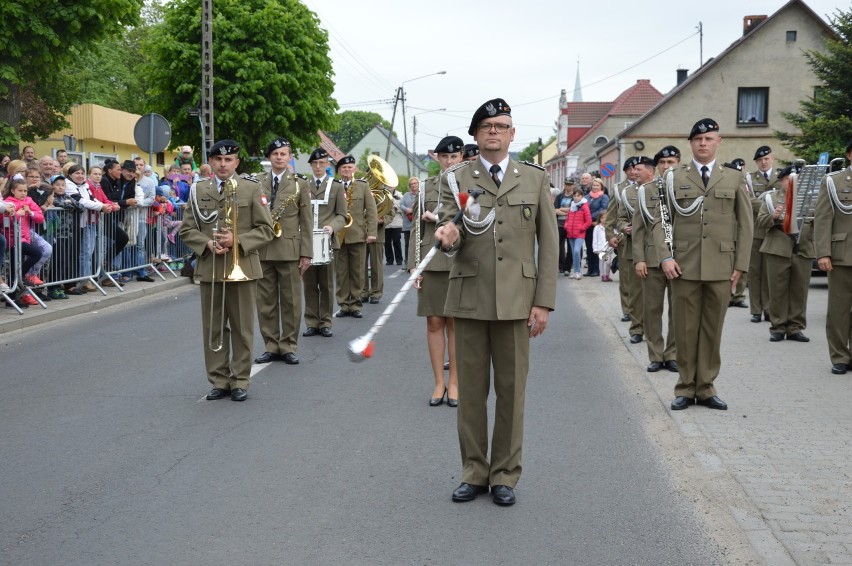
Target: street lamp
400 96
414 129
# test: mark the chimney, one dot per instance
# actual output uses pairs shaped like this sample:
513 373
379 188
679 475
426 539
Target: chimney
681 75
751 22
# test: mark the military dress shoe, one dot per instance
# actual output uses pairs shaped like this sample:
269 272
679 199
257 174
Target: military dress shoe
503 495
740 304
342 313
798 337
325 332
374 300
625 318
713 403
775 337
239 394
266 358
755 318
671 365
290 358
468 492
216 394
310 331
356 314
839 369
635 338
680 403
655 366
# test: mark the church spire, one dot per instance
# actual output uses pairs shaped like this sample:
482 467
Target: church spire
578 92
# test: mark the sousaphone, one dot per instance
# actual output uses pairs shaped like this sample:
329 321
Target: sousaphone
380 177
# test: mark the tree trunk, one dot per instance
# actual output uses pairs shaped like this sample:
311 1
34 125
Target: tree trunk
10 114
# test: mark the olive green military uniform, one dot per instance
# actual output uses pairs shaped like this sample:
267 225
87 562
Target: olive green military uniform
656 287
787 267
709 245
759 294
230 367
497 276
350 261
279 292
626 207
609 232
318 281
832 227
432 295
374 286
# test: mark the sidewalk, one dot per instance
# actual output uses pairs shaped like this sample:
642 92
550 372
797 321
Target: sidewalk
10 320
786 439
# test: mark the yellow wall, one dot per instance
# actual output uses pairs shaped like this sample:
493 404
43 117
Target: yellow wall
99 130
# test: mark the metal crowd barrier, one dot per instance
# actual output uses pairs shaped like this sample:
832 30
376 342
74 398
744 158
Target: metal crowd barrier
109 245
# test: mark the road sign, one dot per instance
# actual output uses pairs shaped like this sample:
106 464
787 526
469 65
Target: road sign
152 133
607 169
823 158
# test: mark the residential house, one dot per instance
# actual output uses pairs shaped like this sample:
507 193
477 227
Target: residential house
584 127
403 162
745 89
334 153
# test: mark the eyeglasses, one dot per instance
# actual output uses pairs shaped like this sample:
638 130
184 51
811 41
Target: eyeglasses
500 128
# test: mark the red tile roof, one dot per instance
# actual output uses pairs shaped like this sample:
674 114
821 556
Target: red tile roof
585 113
328 145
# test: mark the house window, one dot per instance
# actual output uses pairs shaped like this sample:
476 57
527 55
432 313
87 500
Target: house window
601 140
791 36
752 106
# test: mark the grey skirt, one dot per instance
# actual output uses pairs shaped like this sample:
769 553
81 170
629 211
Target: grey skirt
432 297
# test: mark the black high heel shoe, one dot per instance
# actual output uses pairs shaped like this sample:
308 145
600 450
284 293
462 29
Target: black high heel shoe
452 402
438 401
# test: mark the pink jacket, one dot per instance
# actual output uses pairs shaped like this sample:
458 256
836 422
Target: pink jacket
26 220
577 222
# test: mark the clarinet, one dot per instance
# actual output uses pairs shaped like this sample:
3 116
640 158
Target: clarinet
665 217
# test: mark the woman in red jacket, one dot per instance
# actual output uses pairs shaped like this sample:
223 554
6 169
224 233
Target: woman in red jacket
576 223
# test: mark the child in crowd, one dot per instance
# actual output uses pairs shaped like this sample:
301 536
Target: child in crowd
27 212
162 207
39 192
578 220
63 224
599 245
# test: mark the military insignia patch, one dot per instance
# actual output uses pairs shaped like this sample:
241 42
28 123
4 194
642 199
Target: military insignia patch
263 200
490 109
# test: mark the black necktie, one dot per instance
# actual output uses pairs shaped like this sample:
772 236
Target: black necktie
221 186
705 174
495 175
274 187
766 174
319 182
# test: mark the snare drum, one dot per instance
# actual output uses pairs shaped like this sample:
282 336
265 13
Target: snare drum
322 248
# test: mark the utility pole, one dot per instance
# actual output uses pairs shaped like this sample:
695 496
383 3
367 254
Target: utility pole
540 148
396 98
206 103
700 44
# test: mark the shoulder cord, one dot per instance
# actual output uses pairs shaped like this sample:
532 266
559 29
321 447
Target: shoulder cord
647 216
474 227
626 204
689 210
832 192
193 199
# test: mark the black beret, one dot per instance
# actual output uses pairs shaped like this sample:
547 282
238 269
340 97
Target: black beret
643 160
848 146
496 107
318 153
450 144
129 164
470 150
277 143
628 163
789 169
703 126
224 147
668 151
346 159
738 163
762 151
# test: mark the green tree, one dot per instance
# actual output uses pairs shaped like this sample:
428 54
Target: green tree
38 41
530 153
825 120
353 125
271 68
433 167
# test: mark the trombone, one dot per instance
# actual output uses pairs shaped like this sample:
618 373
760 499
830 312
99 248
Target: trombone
236 273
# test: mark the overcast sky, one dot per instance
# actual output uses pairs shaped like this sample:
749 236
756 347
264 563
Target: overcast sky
524 52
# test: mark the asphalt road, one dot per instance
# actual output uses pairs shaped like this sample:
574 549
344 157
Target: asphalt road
111 455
